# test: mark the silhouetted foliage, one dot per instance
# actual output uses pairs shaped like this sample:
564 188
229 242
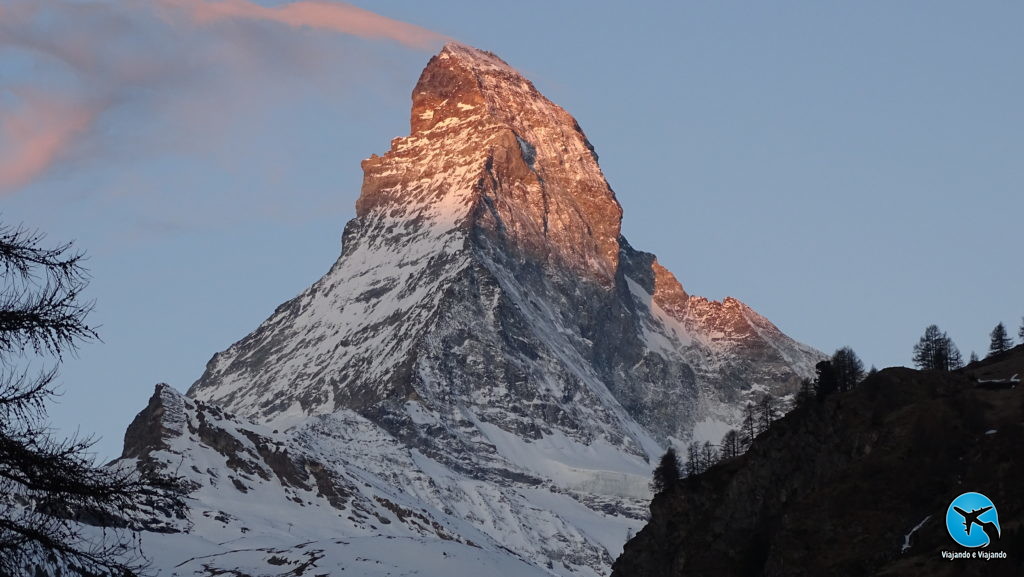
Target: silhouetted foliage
1020 331
693 460
848 369
749 425
767 412
825 381
700 457
936 351
731 445
805 394
871 372
1000 340
666 474
953 359
708 455
974 357
48 487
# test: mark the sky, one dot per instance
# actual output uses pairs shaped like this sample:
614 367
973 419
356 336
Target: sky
853 171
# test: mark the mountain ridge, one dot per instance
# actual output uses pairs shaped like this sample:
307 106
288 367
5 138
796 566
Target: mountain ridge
489 362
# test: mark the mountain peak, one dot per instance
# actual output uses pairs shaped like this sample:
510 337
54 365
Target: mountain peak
457 83
502 160
474 57
488 361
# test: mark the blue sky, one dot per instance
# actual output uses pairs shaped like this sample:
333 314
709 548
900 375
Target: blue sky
853 171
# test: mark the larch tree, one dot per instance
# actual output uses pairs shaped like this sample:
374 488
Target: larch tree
767 412
708 455
731 445
50 488
936 351
693 460
849 370
749 425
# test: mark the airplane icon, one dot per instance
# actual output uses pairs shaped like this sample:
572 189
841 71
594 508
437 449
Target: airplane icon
971 518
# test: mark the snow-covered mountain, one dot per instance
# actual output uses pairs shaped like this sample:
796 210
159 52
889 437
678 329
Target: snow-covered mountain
480 383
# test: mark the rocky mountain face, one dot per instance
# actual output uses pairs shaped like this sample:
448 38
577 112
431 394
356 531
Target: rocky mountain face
857 485
487 371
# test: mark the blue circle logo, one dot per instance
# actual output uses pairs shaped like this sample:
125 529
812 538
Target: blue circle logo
972 520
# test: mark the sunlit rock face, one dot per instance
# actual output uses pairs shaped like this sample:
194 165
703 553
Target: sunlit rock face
504 159
488 350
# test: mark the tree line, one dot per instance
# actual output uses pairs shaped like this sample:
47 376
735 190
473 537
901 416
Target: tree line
936 351
840 373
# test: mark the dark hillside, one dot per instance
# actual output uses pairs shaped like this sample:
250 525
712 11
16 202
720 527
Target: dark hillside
834 488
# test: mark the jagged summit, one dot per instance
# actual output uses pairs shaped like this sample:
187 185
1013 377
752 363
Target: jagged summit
488 362
509 158
495 211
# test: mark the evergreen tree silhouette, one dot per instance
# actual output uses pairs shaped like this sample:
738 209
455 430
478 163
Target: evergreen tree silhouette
848 369
666 474
936 351
1000 340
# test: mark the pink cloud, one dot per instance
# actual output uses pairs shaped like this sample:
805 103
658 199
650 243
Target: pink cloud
315 14
39 133
101 57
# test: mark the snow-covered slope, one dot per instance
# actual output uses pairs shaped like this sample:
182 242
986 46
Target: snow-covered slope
339 492
489 369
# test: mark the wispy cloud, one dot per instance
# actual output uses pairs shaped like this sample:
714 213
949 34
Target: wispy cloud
38 133
315 14
92 59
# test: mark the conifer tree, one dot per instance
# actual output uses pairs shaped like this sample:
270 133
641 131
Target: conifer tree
974 357
805 394
666 474
749 425
1000 340
848 369
693 460
1020 331
708 456
46 482
731 446
825 384
767 412
953 359
936 351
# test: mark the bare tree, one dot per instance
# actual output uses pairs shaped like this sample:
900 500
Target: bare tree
749 425
50 489
693 464
731 445
708 455
767 412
